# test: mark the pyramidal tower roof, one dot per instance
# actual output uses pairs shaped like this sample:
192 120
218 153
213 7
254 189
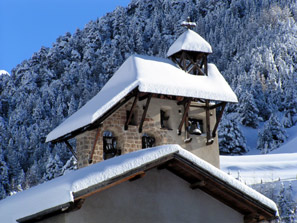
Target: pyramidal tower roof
189 41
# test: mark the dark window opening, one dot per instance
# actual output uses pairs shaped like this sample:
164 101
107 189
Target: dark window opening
164 119
195 126
148 141
110 146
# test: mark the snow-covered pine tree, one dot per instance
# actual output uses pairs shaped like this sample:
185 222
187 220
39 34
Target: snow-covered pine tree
286 204
231 139
272 135
248 111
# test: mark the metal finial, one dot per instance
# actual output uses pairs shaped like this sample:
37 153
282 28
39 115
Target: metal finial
188 23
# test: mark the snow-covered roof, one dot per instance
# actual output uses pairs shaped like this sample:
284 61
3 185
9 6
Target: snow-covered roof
151 75
60 191
189 41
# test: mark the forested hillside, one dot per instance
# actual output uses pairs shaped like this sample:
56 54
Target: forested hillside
254 46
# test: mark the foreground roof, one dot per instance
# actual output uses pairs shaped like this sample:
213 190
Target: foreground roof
189 41
149 75
61 193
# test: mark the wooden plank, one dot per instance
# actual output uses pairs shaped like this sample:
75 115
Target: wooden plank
208 135
144 113
184 116
71 149
128 120
218 119
94 146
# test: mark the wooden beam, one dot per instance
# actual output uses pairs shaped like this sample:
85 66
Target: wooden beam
184 116
140 175
198 184
205 65
209 140
131 112
251 218
94 146
217 105
71 149
144 113
218 119
142 97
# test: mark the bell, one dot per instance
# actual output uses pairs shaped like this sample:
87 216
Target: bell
197 131
194 127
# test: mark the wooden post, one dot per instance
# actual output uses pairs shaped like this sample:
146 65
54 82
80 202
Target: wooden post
184 116
71 149
218 119
208 136
144 113
205 65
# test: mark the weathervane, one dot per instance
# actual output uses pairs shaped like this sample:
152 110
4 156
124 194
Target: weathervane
188 23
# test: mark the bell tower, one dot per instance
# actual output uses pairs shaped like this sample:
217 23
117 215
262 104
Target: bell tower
190 51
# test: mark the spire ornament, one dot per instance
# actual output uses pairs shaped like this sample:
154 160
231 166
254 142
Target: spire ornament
188 23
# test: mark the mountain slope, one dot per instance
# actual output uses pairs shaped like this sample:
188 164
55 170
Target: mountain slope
254 48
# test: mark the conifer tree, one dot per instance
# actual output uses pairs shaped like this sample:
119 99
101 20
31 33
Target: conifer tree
272 135
231 139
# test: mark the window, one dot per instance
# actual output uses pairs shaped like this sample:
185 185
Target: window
164 120
109 145
195 126
147 141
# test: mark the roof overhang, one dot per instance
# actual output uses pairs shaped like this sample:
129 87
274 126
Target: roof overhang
198 173
147 75
189 41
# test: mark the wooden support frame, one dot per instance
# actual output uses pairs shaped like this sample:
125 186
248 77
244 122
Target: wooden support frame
209 139
71 149
144 113
219 119
187 107
94 146
131 111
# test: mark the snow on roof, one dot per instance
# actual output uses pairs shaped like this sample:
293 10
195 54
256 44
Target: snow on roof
59 191
152 75
189 41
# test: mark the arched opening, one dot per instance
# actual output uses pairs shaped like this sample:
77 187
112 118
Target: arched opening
148 141
110 145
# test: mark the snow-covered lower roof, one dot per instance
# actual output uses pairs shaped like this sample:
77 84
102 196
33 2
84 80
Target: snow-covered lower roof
151 75
61 191
189 41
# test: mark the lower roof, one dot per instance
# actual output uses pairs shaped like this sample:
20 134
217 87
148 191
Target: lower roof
149 75
63 192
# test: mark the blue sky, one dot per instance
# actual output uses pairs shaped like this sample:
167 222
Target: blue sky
26 25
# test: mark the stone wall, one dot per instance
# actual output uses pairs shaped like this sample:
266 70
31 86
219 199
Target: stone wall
131 140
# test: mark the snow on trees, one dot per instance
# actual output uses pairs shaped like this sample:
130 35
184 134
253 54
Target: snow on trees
272 135
231 139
